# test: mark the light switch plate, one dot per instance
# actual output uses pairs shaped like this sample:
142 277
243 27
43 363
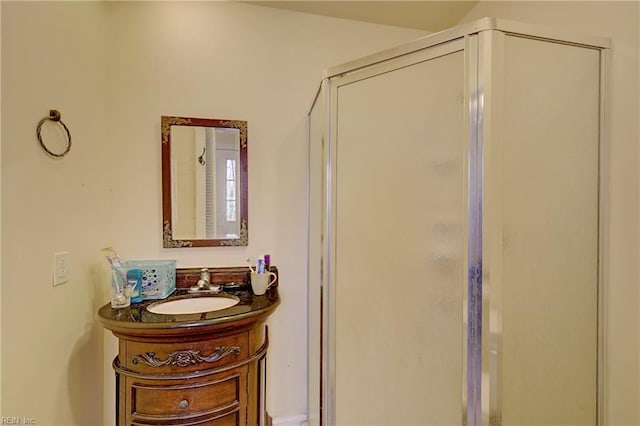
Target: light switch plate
60 268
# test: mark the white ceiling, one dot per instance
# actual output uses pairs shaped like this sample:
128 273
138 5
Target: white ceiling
431 16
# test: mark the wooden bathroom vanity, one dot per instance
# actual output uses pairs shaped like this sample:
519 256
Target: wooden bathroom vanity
193 369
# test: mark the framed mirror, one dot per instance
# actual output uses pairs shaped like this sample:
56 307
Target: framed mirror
204 182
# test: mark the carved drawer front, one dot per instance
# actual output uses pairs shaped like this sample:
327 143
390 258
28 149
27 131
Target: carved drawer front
231 419
161 358
158 402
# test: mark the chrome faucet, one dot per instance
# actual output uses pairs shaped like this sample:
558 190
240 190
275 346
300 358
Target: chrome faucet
204 283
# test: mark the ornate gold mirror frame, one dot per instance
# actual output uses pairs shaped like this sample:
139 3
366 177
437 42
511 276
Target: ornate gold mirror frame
204 182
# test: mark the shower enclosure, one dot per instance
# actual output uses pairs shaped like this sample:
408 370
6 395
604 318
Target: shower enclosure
455 231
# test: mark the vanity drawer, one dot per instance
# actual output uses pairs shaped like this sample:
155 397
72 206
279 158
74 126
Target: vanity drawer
161 402
231 419
184 357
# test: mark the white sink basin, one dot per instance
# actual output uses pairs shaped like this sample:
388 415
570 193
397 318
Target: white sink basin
192 305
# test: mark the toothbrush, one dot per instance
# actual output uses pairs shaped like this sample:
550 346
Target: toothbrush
250 268
115 279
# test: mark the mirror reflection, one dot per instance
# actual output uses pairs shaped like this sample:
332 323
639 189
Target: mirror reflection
204 182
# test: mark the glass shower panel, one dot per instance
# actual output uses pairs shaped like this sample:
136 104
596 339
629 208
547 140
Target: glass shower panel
550 224
316 209
400 223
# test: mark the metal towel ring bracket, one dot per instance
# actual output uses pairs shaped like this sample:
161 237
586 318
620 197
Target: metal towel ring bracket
54 116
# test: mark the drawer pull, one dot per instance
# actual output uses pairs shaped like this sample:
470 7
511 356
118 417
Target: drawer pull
183 404
184 358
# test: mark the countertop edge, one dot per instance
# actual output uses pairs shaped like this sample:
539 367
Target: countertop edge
186 327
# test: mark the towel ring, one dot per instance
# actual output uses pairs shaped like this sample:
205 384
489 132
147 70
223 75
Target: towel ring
54 116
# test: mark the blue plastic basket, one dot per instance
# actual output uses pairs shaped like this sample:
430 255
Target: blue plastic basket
158 277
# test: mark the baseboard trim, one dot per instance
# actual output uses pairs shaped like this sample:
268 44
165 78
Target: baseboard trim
299 420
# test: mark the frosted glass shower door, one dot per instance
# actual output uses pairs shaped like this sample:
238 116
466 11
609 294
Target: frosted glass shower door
315 250
398 282
544 174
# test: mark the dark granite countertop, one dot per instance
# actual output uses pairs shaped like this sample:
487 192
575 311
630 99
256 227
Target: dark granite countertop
137 317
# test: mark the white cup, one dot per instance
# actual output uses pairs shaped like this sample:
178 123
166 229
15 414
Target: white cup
261 282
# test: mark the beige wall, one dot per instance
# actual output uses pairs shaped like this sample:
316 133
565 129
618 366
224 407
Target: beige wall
113 69
52 359
224 60
618 20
